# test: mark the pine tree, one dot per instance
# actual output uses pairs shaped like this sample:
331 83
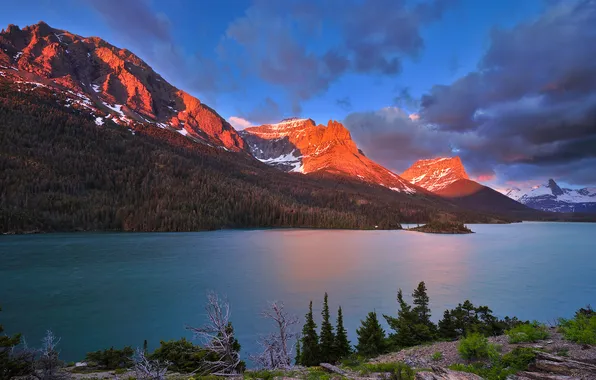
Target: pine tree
371 336
342 344
298 359
428 330
327 336
421 300
403 325
310 354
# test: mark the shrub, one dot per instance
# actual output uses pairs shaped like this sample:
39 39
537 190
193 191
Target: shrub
581 329
475 346
530 332
111 358
519 358
402 372
437 356
184 356
500 368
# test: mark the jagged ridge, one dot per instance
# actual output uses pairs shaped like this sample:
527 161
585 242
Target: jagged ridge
435 174
300 145
108 81
551 197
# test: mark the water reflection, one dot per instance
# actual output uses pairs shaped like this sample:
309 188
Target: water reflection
99 290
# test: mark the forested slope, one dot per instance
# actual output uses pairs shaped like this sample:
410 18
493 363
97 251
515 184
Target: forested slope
59 171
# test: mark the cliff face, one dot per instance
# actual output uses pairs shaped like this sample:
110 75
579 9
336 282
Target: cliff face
300 145
102 77
435 174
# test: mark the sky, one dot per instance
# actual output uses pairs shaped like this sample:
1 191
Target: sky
508 85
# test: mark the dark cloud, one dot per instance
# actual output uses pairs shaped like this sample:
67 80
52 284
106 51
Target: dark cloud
405 100
148 34
344 103
135 18
266 112
272 40
391 137
532 101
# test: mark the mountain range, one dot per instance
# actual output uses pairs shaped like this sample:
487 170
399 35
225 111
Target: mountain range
94 139
551 197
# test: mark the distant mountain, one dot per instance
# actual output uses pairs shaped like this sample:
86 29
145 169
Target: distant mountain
300 145
551 197
447 178
109 82
475 196
435 174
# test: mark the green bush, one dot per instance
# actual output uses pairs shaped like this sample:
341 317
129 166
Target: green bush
500 368
184 356
581 329
519 358
475 346
402 372
437 356
527 332
111 358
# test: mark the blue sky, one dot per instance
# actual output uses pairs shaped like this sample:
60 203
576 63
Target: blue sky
453 45
473 71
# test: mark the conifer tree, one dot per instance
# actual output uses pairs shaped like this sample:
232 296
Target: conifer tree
342 344
310 355
403 325
428 330
327 336
371 336
421 301
298 360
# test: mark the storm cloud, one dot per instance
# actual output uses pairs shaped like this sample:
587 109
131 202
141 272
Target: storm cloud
529 110
373 38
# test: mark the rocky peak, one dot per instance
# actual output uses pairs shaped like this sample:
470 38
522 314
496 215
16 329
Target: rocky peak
109 79
299 145
435 174
556 190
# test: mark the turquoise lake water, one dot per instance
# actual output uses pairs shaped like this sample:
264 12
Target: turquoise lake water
97 290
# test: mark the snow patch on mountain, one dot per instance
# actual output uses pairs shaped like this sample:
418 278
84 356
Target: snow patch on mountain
550 197
435 174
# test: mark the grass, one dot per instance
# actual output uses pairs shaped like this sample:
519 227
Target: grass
265 374
437 356
527 333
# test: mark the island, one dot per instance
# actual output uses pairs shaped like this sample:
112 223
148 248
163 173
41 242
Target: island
443 227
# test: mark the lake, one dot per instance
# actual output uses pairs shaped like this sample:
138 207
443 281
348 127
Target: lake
97 290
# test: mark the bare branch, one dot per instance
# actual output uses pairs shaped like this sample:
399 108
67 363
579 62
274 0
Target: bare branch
276 349
149 369
217 337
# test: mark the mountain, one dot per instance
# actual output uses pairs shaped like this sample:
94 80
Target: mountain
447 178
551 197
110 82
94 140
300 145
475 196
435 174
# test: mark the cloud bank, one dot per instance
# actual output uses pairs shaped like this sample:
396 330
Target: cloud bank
529 110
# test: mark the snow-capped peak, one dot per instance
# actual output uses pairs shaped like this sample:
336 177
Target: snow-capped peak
436 173
550 197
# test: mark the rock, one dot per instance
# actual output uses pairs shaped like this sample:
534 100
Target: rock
332 368
439 373
541 376
300 145
81 364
